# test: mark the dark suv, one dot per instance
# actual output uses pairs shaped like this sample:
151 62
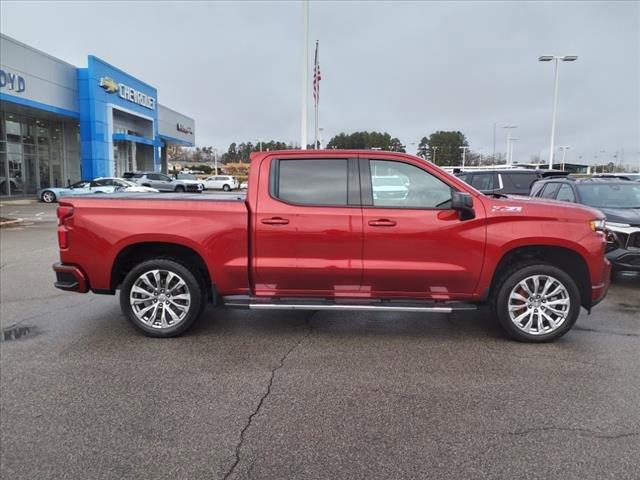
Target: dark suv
618 199
508 182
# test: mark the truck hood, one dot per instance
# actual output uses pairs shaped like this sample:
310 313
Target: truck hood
541 208
622 215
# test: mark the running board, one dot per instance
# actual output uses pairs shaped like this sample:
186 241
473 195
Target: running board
344 304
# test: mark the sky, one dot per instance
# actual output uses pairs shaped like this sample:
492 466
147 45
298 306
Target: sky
408 68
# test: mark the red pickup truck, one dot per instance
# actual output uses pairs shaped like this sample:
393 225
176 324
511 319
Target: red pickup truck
337 230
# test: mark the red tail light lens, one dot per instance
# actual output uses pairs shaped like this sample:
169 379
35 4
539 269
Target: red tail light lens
64 212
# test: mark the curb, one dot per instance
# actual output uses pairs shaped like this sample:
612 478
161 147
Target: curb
11 222
21 201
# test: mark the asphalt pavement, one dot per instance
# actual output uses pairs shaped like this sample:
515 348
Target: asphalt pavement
298 395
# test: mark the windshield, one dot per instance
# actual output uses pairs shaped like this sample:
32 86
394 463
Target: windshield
125 183
610 195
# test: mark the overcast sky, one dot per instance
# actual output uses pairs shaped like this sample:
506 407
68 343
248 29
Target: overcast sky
405 68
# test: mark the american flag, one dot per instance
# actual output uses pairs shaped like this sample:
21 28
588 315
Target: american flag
316 77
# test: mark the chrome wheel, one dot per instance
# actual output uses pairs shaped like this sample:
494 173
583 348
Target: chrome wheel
160 299
48 197
539 304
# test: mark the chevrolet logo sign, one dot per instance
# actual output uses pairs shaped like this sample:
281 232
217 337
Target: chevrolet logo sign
109 84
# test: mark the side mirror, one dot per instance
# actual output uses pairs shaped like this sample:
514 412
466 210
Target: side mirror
463 203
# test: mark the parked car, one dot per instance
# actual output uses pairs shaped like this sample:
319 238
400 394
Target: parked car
98 185
221 182
189 179
310 235
390 187
165 183
507 182
618 199
244 185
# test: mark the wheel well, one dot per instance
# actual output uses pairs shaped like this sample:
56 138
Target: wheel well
132 255
564 258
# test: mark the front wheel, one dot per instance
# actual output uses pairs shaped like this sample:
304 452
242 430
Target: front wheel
180 189
48 196
161 297
537 303
226 188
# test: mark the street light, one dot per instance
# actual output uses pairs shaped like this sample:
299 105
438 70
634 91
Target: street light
513 140
564 149
434 154
555 58
464 149
509 128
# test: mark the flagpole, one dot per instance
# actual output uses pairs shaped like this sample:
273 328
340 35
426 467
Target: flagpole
317 95
305 73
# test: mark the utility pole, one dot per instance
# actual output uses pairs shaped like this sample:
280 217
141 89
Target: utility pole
434 154
509 128
494 142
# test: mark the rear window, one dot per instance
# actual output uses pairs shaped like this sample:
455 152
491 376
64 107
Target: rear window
521 181
135 175
312 182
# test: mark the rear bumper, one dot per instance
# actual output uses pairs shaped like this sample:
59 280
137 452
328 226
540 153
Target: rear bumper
70 278
598 292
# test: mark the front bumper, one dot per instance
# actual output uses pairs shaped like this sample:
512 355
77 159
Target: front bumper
598 292
624 260
70 278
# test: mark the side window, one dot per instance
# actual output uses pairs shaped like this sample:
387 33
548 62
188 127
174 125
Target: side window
550 190
401 185
536 189
565 193
482 181
219 179
164 178
311 182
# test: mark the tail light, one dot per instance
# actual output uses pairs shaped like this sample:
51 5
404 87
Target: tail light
65 212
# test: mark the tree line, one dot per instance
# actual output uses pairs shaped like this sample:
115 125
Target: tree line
441 147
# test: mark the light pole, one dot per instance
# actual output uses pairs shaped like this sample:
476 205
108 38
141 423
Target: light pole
513 140
464 149
564 149
556 59
509 128
434 154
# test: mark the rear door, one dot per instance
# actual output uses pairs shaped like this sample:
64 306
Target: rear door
415 245
308 228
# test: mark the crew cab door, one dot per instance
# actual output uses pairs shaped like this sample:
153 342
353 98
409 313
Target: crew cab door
307 228
415 245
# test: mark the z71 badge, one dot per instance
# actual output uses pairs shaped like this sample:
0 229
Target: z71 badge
506 209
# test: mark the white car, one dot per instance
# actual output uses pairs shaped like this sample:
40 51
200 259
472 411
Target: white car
244 185
221 182
122 185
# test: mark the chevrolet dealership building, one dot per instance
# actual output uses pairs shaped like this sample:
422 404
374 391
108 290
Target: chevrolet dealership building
60 123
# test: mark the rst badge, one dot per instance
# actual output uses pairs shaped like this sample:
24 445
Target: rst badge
506 209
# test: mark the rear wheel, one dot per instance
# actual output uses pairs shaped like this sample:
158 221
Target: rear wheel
180 189
226 188
161 297
48 196
537 303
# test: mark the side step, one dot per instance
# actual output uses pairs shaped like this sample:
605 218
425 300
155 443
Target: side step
345 304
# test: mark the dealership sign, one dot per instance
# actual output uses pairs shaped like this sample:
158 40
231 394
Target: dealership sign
11 81
128 93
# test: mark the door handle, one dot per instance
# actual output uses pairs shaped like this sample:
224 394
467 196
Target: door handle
275 221
382 222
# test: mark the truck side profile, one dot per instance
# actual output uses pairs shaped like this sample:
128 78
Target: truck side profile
322 230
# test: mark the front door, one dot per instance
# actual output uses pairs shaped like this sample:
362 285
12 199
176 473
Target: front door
414 243
308 228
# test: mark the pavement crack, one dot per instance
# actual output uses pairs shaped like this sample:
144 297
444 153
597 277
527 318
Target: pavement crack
583 431
265 395
606 332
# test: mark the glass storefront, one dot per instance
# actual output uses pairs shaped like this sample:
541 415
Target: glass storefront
31 153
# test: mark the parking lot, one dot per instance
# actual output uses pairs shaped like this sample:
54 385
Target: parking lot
303 395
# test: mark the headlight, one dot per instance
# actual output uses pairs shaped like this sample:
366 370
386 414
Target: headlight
597 225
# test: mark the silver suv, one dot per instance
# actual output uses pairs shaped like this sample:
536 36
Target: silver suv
165 183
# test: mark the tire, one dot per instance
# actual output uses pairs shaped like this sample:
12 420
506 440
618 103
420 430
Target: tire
180 189
226 188
152 317
540 317
48 196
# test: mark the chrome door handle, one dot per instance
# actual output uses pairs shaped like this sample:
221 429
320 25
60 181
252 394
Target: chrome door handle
275 221
382 222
